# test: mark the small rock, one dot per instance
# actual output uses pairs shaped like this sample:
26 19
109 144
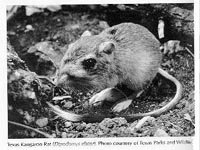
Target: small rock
84 124
11 33
58 98
70 135
28 117
31 10
80 127
88 126
76 26
68 105
161 25
20 111
86 104
191 95
32 134
172 70
172 46
167 64
91 136
42 122
173 131
111 123
179 106
68 124
114 133
10 107
100 133
53 8
63 134
160 133
188 117
92 6
104 5
36 102
29 28
30 94
103 24
121 7
53 135
84 17
182 13
17 74
86 33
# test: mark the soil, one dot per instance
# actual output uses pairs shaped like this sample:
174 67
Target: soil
65 26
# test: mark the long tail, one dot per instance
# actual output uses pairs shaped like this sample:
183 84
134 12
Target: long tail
64 114
96 118
70 116
168 106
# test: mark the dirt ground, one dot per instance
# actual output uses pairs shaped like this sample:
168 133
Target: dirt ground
60 29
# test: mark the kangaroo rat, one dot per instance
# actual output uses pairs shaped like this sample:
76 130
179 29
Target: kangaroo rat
125 55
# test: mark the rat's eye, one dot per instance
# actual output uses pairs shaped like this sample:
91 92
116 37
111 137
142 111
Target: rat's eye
89 63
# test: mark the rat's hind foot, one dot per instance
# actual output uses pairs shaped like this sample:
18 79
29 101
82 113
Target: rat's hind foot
124 104
121 105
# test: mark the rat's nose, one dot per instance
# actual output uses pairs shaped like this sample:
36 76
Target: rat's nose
64 79
60 80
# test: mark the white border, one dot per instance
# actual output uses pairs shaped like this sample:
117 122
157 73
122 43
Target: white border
53 2
3 78
197 73
3 70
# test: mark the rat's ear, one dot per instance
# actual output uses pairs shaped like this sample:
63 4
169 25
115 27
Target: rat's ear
86 33
106 47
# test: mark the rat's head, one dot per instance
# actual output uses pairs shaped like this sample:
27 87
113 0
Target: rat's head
89 63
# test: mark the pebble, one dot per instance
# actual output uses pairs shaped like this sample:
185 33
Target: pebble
20 111
42 122
100 133
173 131
86 33
58 98
80 127
53 135
28 117
68 124
10 107
32 134
31 95
160 133
29 27
68 105
63 134
103 24
76 26
179 106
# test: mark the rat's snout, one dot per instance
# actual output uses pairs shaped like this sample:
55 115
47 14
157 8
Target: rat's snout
60 80
65 75
64 79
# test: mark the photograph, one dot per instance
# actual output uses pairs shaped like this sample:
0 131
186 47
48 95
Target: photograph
100 71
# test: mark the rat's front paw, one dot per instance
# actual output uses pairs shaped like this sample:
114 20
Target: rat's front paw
109 94
98 98
121 106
